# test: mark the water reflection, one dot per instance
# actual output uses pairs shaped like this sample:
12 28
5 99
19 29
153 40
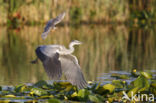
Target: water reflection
105 48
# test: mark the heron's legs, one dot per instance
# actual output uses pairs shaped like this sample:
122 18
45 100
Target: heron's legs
34 61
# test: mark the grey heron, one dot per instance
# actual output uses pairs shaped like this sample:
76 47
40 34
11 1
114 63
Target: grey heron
57 59
51 24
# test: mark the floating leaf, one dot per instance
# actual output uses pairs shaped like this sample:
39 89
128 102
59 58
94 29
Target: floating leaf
42 84
133 91
119 76
9 96
22 88
153 88
38 91
146 75
74 94
54 100
109 87
83 93
118 83
153 85
61 85
64 83
140 82
5 101
93 98
46 96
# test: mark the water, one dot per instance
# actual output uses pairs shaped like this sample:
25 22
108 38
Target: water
105 48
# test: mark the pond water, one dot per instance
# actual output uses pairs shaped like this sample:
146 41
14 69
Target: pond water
105 48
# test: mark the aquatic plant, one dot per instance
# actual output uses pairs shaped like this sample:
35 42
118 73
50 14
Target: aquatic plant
143 88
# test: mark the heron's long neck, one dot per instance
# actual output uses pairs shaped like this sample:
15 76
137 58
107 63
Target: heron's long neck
71 48
68 51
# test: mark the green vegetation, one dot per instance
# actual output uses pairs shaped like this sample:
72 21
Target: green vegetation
134 12
95 92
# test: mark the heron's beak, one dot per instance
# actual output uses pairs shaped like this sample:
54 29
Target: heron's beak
80 42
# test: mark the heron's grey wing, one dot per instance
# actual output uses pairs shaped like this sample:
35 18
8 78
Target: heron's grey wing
58 19
72 71
52 66
47 28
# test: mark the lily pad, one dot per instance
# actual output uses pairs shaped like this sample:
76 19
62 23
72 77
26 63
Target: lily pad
54 100
119 76
93 98
109 87
146 75
83 93
140 82
43 84
38 91
153 88
133 91
118 83
10 96
61 85
21 88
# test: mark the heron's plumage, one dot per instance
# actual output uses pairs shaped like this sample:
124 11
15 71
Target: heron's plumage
55 61
53 67
72 71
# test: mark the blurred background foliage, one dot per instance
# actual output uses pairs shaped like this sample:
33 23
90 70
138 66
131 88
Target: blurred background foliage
135 12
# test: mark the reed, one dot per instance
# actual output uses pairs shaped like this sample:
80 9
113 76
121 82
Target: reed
103 11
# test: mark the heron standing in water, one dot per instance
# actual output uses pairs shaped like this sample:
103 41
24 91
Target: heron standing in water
51 24
57 59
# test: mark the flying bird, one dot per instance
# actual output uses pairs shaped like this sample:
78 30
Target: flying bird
57 59
51 24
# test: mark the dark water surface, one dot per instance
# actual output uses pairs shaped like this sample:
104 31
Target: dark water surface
105 49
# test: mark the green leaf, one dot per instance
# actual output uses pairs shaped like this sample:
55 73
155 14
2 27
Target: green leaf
109 87
118 83
93 98
54 100
83 93
133 91
22 88
153 88
146 75
119 76
38 91
46 96
10 96
141 82
42 84
153 85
